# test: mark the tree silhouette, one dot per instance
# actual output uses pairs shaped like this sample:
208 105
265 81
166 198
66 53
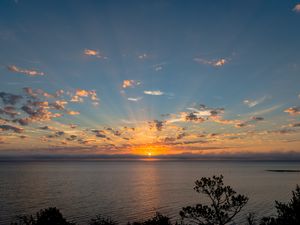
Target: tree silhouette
49 216
158 219
100 220
225 203
287 214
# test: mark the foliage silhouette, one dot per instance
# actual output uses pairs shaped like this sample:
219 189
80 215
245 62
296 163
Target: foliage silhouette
158 219
49 216
287 214
100 220
225 203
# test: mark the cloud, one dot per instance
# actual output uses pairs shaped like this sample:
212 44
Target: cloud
23 121
156 92
39 114
267 110
282 131
252 103
297 8
29 91
10 99
135 99
95 53
257 118
30 73
193 117
73 113
293 110
76 98
59 104
199 114
10 111
158 67
130 83
92 94
294 125
6 127
216 63
82 93
40 93
46 128
143 56
158 125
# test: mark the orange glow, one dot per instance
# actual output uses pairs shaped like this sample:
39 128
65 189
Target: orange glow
150 150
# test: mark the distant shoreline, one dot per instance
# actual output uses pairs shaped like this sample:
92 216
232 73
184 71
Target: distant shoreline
284 171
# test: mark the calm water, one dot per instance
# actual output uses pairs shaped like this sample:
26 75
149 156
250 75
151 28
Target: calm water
129 191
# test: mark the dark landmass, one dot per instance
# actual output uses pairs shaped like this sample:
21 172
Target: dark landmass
284 171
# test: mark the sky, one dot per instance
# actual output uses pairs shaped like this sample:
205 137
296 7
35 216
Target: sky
149 78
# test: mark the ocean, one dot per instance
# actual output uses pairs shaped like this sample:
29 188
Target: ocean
135 190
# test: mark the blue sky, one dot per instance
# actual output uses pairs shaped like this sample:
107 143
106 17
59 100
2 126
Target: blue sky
149 77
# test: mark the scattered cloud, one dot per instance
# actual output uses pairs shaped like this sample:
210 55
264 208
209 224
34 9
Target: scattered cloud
157 125
135 99
143 56
92 94
59 104
216 63
293 110
28 72
73 113
130 83
158 67
252 103
95 53
267 110
297 8
156 92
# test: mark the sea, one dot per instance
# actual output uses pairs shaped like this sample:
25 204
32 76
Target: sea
135 190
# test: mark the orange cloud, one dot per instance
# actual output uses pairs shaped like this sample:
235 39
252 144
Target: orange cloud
91 52
216 63
297 8
130 83
30 73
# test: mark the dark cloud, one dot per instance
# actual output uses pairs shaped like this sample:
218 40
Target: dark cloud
10 99
22 121
6 127
257 118
295 125
156 124
10 111
282 131
46 128
59 133
194 117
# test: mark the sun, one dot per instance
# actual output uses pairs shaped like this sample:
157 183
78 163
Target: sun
150 150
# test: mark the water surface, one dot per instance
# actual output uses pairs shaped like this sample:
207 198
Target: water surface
134 190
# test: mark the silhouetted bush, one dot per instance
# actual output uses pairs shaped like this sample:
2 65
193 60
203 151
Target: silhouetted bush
158 219
100 220
225 203
49 216
287 214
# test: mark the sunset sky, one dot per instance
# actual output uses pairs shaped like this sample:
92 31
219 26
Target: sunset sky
149 77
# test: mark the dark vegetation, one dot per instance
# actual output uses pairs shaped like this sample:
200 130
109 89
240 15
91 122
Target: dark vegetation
224 205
